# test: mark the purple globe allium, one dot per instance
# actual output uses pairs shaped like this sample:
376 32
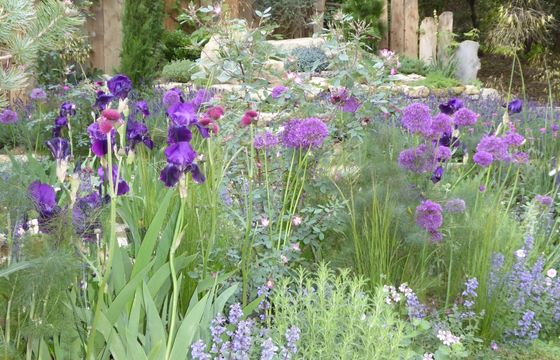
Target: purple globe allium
465 117
451 106
428 215
455 206
515 106
277 92
417 160
67 109
265 140
121 185
8 116
520 157
544 200
493 145
83 213
102 100
483 158
119 85
417 119
441 124
44 198
513 139
443 153
172 97
59 147
137 132
304 133
142 107
437 175
38 94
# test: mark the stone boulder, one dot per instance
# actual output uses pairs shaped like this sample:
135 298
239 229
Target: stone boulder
468 62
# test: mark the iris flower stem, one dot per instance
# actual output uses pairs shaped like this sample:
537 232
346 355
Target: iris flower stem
112 248
269 203
175 299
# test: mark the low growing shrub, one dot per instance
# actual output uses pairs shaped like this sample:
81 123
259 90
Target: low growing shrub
312 59
179 71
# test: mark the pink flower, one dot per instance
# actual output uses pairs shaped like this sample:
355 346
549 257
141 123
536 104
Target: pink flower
295 247
551 273
296 220
393 71
264 222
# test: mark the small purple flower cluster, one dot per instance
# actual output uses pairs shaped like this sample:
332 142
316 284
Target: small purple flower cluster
238 338
265 141
304 133
531 293
415 309
493 148
469 298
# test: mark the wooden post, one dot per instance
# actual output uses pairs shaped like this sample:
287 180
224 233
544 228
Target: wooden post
96 33
411 18
320 16
240 9
112 19
384 21
428 40
397 26
445 36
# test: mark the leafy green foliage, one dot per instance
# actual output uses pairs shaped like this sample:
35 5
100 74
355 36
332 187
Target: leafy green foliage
370 12
291 16
412 66
437 80
312 59
179 71
142 35
177 45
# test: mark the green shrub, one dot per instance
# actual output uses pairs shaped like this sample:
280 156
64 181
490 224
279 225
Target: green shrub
177 45
437 80
142 29
370 12
337 319
179 71
307 60
412 66
292 16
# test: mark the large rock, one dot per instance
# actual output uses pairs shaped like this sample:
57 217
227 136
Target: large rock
468 62
416 92
489 93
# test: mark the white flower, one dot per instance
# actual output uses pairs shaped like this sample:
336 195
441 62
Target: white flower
447 338
265 222
284 259
551 273
428 356
521 253
296 220
295 247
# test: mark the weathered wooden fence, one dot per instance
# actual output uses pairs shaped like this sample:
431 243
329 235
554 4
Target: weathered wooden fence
429 40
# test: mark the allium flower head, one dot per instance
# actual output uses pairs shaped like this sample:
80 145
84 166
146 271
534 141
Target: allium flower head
428 215
265 140
418 160
277 91
544 200
38 94
443 153
495 146
451 106
455 206
483 158
513 139
465 117
442 124
8 116
304 133
417 119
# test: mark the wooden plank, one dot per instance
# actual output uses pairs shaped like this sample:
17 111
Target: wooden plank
112 19
428 40
397 26
411 19
96 33
319 12
445 36
168 7
384 21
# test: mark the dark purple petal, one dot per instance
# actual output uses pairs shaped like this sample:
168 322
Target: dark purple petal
61 121
60 148
203 131
197 175
43 196
451 106
170 175
122 186
182 113
67 109
180 154
515 106
99 147
120 86
148 143
102 100
177 134
437 175
202 96
142 106
172 97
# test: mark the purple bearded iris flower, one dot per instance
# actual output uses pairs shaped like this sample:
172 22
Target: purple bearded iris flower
304 133
172 97
44 199
202 96
119 85
515 106
67 109
177 134
137 132
59 147
60 123
142 107
180 158
8 116
437 174
344 101
184 114
121 185
83 215
102 100
99 140
451 106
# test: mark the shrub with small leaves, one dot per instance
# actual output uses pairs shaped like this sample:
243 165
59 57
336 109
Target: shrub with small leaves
179 71
307 60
